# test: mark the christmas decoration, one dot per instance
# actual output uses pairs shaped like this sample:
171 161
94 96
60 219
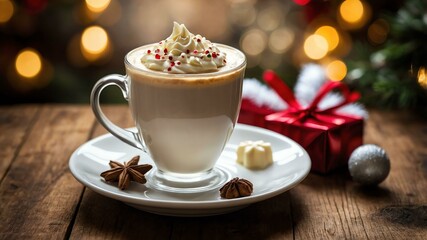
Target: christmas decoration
369 165
328 136
394 76
265 100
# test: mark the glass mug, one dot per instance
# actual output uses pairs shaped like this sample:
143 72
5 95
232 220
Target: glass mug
183 121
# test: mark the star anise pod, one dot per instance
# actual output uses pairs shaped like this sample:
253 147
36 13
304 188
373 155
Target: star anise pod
126 172
235 188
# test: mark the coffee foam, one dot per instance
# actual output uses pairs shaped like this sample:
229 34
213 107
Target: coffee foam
234 69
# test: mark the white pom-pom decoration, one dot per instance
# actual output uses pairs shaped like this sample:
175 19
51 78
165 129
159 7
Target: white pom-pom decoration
261 95
311 78
309 82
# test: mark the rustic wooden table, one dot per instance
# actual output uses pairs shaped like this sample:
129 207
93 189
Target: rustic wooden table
40 199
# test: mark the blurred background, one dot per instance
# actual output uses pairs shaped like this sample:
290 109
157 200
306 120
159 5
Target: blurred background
54 51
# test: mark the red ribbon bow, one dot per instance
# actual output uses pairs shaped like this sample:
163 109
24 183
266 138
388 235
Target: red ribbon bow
298 113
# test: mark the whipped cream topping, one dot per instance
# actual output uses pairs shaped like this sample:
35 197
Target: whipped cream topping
184 52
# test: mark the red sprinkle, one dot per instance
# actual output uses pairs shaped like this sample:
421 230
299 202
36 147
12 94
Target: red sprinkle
214 55
157 50
169 69
178 62
165 51
188 51
148 51
170 58
157 56
182 56
207 51
172 64
195 52
160 42
198 40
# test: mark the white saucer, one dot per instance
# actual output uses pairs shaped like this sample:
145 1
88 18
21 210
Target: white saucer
291 165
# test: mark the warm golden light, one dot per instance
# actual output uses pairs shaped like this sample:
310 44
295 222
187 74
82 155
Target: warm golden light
378 31
351 11
28 63
253 42
94 40
422 78
331 36
97 5
6 10
336 70
316 47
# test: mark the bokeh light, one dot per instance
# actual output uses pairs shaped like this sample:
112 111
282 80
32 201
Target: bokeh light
331 36
253 42
270 18
422 78
94 42
336 70
378 31
196 17
242 14
353 14
111 15
316 47
280 40
351 11
97 5
75 53
28 63
6 10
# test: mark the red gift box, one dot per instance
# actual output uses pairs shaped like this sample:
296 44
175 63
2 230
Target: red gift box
328 137
251 114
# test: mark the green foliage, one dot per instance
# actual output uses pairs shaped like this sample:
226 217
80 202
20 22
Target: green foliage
388 76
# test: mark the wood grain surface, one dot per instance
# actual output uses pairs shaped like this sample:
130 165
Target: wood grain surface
39 198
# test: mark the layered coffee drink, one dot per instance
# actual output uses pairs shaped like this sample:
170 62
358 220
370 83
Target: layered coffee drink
184 94
185 97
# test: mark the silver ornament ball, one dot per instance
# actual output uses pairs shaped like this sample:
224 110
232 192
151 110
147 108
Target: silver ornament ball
369 164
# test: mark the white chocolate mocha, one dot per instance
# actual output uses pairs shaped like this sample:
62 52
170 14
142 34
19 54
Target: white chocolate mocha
255 155
185 117
184 52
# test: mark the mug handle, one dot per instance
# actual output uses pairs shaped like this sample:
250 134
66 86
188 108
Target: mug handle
130 137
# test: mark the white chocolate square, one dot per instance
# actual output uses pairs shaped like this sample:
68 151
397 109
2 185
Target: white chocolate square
254 155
